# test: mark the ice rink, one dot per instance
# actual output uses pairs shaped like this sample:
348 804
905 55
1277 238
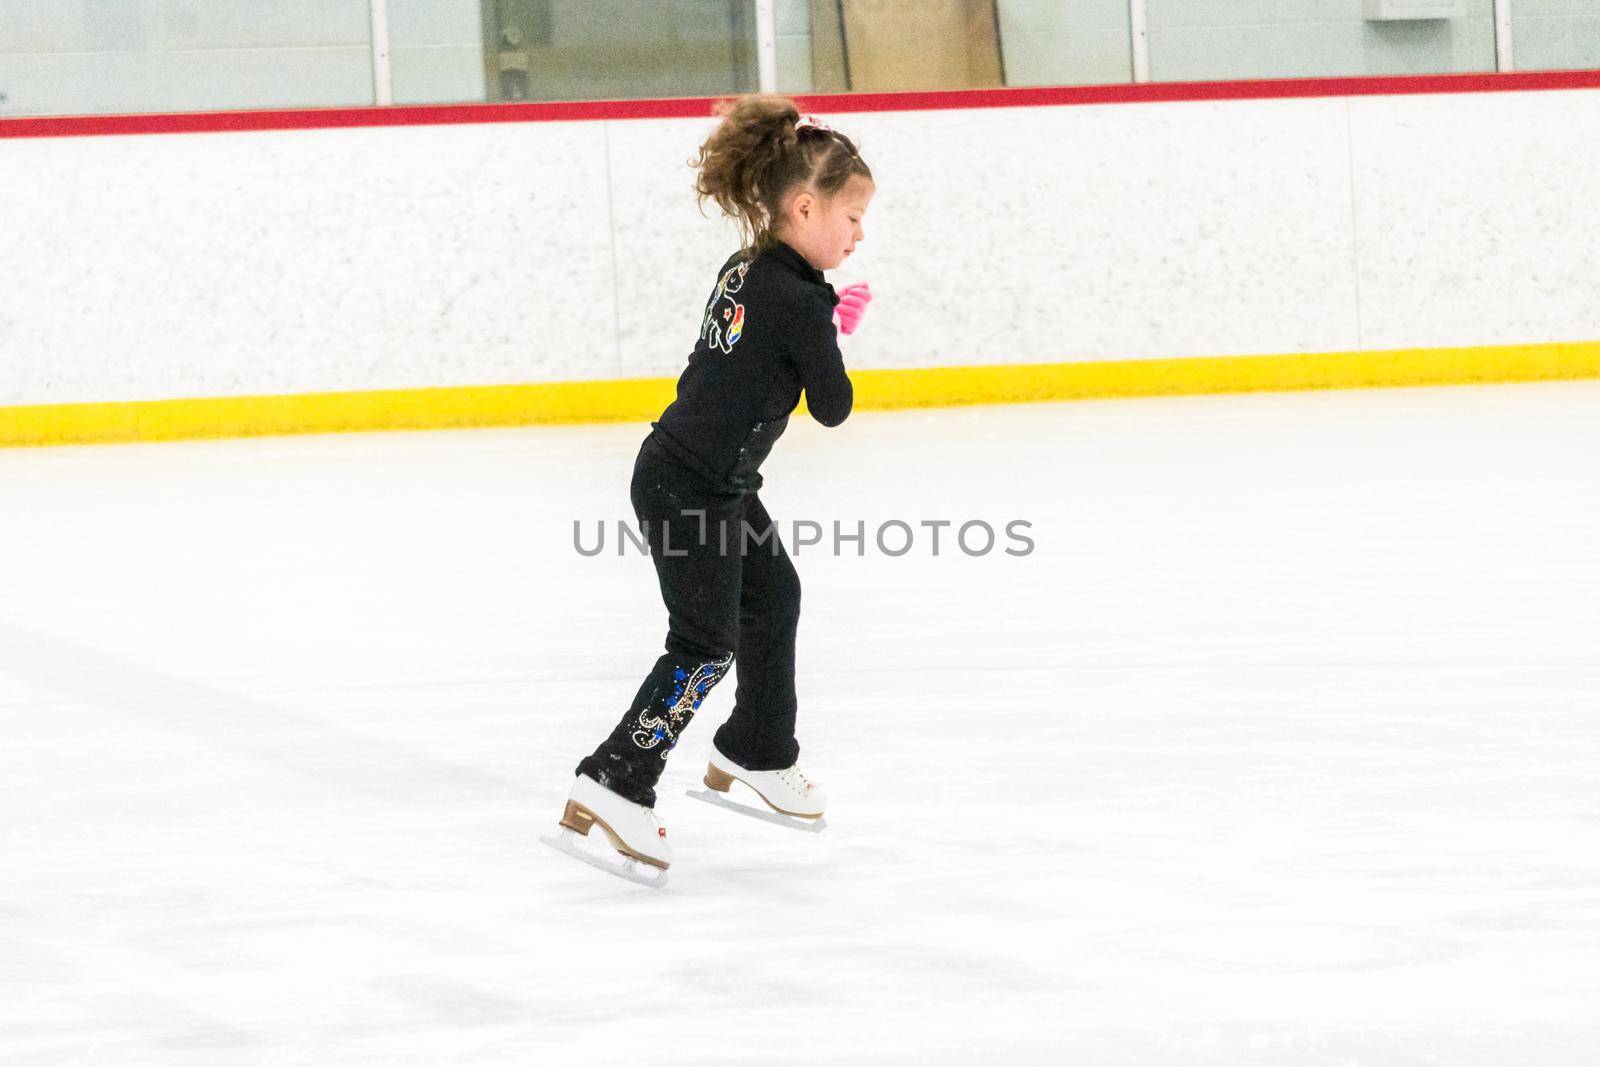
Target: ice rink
1282 746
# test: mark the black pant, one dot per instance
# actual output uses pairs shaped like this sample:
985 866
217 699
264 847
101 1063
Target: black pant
730 589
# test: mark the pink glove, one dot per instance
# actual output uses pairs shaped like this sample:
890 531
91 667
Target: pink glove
853 300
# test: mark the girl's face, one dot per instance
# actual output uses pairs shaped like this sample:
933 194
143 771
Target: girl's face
826 231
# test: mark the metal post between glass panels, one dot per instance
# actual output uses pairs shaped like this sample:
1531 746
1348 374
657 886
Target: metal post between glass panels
1139 38
766 46
1504 59
382 79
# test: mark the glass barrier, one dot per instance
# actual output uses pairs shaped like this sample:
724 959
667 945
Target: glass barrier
1228 40
900 45
1556 34
620 49
95 56
98 56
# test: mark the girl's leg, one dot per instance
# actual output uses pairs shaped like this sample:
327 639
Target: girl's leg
759 735
700 585
630 761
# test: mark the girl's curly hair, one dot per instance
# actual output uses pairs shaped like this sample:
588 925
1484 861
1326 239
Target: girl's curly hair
756 155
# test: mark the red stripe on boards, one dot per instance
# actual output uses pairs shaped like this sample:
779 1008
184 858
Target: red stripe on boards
821 103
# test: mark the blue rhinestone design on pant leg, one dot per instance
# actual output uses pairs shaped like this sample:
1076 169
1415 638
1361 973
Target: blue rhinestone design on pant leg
688 690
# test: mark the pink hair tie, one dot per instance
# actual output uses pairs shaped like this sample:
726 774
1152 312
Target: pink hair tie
811 122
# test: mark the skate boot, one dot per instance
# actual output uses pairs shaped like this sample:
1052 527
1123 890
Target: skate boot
795 800
631 829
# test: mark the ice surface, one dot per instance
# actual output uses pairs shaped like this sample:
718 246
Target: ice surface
1280 748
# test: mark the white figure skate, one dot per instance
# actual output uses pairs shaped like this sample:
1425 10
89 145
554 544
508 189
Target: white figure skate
632 829
795 800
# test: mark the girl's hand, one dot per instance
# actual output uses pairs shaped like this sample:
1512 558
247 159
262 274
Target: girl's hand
853 300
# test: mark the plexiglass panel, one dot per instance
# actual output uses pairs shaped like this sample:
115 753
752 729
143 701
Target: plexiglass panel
86 56
1225 40
595 49
1556 34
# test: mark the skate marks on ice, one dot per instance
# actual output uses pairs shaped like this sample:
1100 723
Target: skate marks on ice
299 744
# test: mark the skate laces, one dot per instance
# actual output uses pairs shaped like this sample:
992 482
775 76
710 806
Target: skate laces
790 776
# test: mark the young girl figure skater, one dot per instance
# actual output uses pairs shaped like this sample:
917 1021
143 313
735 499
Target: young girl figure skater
799 191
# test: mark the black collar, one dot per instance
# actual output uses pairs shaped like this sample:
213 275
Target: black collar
795 262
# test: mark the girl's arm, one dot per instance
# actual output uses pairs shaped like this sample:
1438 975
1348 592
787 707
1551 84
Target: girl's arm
813 347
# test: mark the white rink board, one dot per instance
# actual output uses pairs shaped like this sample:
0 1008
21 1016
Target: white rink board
308 261
1278 750
1503 244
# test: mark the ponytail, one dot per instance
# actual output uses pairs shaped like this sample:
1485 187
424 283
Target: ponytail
758 153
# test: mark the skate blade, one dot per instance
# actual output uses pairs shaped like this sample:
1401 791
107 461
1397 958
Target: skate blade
793 822
624 867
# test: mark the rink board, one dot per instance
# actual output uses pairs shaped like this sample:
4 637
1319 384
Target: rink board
643 398
297 272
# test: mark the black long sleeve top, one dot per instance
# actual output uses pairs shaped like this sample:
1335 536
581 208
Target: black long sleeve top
767 333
